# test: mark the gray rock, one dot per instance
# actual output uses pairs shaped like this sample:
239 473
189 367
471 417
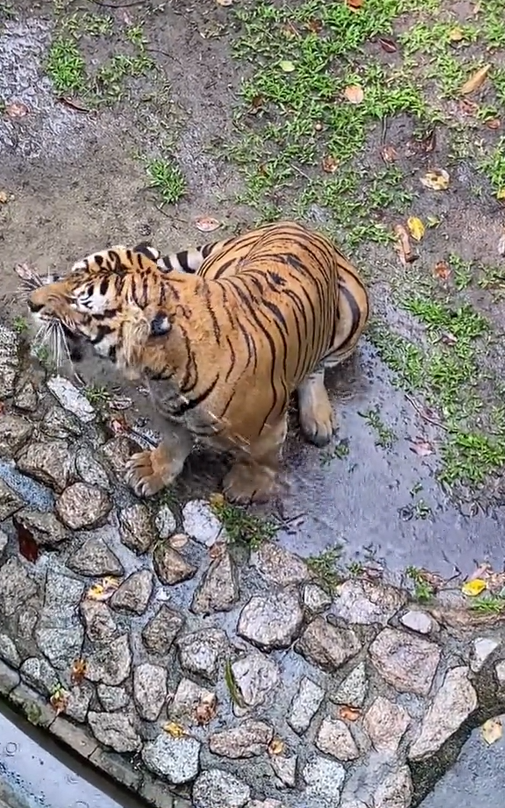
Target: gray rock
8 651
354 688
25 397
407 663
111 663
165 522
171 567
78 702
99 621
3 542
40 675
200 522
117 452
149 690
115 730
61 598
482 648
83 506
90 470
16 587
216 788
395 791
417 621
334 738
60 645
93 557
9 361
60 424
10 502
15 433
256 678
219 588
248 739
176 759
279 565
112 698
500 672
202 651
137 528
161 630
45 528
71 399
134 593
366 603
187 698
305 705
271 622
264 804
326 645
315 599
386 724
285 769
49 462
452 705
324 779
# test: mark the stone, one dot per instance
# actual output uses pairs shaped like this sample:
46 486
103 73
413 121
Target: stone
326 645
417 621
264 804
149 690
165 522
161 630
78 702
8 651
386 724
25 397
305 705
482 648
61 598
117 452
200 522
324 779
256 678
395 791
285 769
354 688
16 587
77 738
407 663
216 788
4 539
202 651
83 506
60 424
43 526
112 698
176 759
315 599
271 622
115 730
60 645
71 399
334 738
98 620
111 663
134 593
10 502
170 566
452 705
90 470
14 434
40 675
366 603
94 558
279 566
187 698
500 673
218 591
120 770
9 361
49 462
248 739
137 528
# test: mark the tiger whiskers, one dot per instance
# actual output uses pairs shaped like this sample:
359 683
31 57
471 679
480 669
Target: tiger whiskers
51 337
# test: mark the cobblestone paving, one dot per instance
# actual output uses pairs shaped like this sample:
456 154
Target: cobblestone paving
139 635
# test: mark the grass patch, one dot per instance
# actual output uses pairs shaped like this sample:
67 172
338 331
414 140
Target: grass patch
325 568
385 437
167 178
242 527
423 590
65 66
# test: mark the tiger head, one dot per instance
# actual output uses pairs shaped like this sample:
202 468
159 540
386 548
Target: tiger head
110 299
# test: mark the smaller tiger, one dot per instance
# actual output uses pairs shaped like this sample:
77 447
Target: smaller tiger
223 334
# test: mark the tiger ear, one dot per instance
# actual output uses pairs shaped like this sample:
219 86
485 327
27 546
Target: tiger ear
160 325
144 248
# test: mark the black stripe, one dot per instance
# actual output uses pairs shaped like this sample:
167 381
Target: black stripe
194 402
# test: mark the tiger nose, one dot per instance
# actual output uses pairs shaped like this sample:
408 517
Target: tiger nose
35 307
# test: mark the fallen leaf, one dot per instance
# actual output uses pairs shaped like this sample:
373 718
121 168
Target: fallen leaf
287 66
4 197
416 227
500 194
456 34
501 245
314 25
28 547
432 221
232 686
256 104
16 110
206 224
347 713
103 590
217 550
387 45
206 710
468 107
355 5
388 154
436 180
442 270
423 145
178 540
78 671
354 94
329 164
474 588
69 102
493 123
119 426
422 448
276 747
216 500
402 245
224 2
492 730
448 338
476 81
175 730
59 699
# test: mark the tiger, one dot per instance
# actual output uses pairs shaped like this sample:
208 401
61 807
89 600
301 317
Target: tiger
223 334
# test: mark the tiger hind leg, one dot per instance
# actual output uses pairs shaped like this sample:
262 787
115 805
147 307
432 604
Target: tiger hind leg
314 408
253 476
150 471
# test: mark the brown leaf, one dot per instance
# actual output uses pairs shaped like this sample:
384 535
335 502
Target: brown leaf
4 197
28 547
493 123
276 746
467 107
402 245
59 699
355 5
442 270
436 180
206 710
347 713
178 540
119 426
314 25
354 94
329 164
217 550
69 102
476 81
256 103
422 448
206 224
78 671
387 45
388 154
16 110
448 339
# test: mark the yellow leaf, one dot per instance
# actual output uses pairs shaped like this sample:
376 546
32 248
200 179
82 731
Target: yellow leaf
416 227
456 35
103 590
436 180
287 66
492 730
354 94
474 588
476 81
276 746
500 194
175 730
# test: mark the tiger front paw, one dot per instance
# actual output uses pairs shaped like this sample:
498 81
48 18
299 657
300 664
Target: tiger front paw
146 475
